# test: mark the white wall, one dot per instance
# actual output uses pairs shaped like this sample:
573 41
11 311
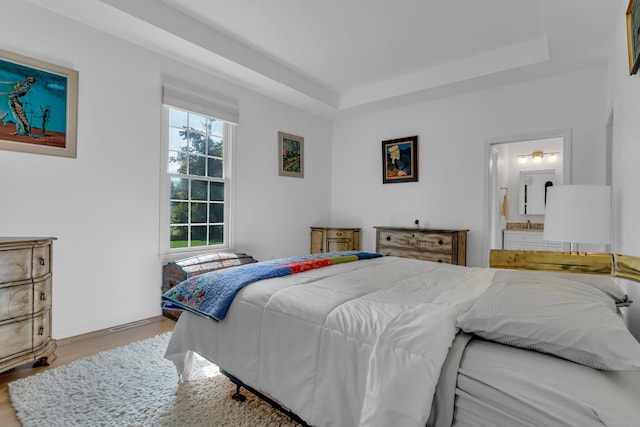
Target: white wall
624 101
274 212
103 205
453 167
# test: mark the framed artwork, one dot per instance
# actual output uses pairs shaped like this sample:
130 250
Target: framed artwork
400 160
633 35
290 155
38 106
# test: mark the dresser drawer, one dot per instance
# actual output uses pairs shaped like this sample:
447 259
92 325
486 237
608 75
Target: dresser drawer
423 255
16 301
16 338
523 236
528 241
523 246
15 264
405 239
339 234
338 245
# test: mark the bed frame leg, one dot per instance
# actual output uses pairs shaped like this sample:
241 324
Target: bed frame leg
238 396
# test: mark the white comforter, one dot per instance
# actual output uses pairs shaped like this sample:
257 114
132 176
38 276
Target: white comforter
359 344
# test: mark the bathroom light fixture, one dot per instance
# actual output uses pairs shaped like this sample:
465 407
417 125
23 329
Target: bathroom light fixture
538 155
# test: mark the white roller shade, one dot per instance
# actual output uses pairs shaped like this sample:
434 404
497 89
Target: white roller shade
219 107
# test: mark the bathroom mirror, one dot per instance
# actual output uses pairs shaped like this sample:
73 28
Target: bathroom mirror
533 190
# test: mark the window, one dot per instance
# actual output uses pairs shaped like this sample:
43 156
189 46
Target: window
197 180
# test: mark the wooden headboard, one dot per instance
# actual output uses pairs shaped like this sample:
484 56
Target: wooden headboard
621 266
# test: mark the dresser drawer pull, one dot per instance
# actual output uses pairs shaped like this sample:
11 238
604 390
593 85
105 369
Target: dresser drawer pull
42 261
41 330
440 261
43 296
440 242
388 238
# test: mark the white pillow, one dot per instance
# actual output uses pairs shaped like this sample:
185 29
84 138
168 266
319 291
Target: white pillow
559 314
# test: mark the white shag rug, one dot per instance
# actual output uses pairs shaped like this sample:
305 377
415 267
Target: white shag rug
135 385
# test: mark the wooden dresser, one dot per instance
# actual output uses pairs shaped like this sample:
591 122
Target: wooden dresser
25 301
333 239
449 246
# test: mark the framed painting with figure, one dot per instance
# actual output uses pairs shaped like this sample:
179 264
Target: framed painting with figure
38 106
400 160
633 35
290 155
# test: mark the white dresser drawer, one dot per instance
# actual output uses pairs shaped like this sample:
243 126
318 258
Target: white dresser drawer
528 241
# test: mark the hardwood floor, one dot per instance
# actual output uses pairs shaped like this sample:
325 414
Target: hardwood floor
70 349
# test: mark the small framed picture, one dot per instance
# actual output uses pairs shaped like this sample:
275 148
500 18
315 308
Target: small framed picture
400 160
633 35
290 155
38 106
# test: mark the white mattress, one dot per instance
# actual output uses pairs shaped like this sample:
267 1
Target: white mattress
502 386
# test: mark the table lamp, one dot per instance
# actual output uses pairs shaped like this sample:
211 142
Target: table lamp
578 214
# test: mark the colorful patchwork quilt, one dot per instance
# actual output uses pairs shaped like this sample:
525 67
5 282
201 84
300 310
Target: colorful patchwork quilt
212 293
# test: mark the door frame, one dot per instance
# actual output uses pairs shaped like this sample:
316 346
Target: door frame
492 190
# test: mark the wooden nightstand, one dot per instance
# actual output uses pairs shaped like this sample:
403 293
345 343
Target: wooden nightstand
334 239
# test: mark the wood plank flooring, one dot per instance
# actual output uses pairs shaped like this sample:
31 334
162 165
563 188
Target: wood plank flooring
70 349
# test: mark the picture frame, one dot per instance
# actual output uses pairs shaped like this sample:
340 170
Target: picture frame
290 155
633 35
38 106
400 160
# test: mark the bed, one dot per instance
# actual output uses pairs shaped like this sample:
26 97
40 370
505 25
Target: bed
379 341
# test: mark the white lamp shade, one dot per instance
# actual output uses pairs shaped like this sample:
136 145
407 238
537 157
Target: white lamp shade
578 214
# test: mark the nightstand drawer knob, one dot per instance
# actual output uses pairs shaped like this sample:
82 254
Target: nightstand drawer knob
440 242
41 330
42 261
388 238
43 296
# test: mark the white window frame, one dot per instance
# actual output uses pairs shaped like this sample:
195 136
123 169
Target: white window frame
166 252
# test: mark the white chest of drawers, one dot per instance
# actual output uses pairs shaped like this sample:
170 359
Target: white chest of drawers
25 301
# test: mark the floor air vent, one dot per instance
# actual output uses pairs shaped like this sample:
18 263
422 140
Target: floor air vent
128 326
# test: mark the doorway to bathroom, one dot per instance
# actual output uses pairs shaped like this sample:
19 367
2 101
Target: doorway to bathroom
521 168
